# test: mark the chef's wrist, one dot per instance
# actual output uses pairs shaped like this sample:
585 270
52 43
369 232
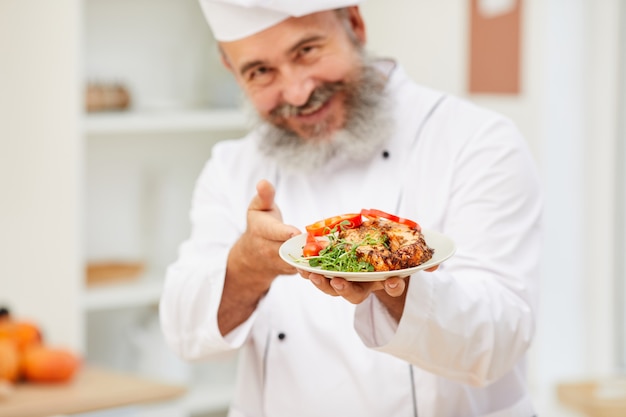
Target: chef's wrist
393 304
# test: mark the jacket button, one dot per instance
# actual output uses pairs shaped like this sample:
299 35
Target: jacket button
385 154
281 336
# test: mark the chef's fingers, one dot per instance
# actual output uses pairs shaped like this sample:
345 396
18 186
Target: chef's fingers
279 232
304 274
395 286
322 283
432 268
355 292
287 269
262 225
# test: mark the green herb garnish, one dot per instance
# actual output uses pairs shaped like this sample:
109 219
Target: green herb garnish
340 255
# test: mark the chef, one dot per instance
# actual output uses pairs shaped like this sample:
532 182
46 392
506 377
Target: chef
338 130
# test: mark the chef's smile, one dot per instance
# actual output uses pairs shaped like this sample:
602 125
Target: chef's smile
320 116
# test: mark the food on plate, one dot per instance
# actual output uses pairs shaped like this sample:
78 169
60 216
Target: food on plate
370 241
396 246
323 227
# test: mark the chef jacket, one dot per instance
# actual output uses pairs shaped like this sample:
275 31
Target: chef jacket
459 348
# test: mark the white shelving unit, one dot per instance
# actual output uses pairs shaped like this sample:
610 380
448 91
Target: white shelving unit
177 121
86 187
144 292
140 168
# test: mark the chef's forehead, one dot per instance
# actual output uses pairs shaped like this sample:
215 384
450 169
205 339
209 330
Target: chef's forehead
231 20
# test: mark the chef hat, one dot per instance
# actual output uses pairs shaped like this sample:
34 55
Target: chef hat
235 19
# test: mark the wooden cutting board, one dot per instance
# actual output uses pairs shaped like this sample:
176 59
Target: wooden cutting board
597 398
92 389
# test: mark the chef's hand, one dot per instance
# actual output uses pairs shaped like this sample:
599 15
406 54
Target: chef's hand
257 249
391 292
356 292
253 261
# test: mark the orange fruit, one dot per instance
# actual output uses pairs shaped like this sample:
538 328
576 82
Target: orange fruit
9 361
45 364
23 333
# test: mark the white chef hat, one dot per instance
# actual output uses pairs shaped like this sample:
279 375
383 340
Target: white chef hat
235 19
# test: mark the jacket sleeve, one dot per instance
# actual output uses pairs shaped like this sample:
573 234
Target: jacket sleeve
473 319
194 282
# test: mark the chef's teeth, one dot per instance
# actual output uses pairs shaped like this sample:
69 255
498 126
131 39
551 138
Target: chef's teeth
311 109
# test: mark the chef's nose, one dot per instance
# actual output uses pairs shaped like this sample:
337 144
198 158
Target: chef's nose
297 87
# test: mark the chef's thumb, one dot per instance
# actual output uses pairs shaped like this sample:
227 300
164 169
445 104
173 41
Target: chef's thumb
264 199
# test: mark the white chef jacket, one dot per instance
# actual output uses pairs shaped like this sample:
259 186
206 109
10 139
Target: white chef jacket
459 347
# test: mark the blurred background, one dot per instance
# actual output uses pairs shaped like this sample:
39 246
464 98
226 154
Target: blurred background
109 108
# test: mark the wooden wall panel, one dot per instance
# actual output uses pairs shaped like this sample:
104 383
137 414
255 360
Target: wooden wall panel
494 47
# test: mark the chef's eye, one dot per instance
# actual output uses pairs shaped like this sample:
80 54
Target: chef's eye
307 51
260 75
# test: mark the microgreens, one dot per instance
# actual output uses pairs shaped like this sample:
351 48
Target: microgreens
340 255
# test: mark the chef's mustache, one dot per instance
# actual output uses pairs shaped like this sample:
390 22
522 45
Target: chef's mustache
318 97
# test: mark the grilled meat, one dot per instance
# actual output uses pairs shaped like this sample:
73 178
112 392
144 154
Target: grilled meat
388 246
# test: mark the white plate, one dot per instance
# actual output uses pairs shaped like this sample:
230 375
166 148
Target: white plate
291 252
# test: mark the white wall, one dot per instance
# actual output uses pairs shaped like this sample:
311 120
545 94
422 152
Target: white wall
427 37
620 209
602 142
430 39
567 111
40 176
562 332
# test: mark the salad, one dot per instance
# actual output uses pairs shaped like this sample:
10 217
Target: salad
371 240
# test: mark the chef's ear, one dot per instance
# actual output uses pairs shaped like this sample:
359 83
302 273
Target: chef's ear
357 24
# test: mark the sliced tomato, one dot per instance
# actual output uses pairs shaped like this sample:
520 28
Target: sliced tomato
379 214
312 247
323 227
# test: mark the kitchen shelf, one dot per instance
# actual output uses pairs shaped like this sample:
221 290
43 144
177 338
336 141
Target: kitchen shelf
143 292
163 121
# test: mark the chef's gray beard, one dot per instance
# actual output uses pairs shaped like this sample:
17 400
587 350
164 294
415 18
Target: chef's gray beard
368 126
